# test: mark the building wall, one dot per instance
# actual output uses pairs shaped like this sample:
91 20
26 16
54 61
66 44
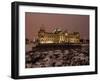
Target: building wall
58 37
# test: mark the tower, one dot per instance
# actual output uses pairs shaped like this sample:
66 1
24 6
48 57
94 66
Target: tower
41 31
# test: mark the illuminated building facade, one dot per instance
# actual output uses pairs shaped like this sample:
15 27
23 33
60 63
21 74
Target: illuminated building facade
58 36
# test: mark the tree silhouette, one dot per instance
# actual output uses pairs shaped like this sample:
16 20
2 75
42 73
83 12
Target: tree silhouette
26 41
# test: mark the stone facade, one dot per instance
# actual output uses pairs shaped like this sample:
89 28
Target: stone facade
58 36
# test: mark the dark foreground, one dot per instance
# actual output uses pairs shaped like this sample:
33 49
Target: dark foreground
55 56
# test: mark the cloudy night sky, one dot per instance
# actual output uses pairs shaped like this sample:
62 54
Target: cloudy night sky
72 23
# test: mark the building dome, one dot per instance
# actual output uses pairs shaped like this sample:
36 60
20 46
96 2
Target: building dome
57 30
